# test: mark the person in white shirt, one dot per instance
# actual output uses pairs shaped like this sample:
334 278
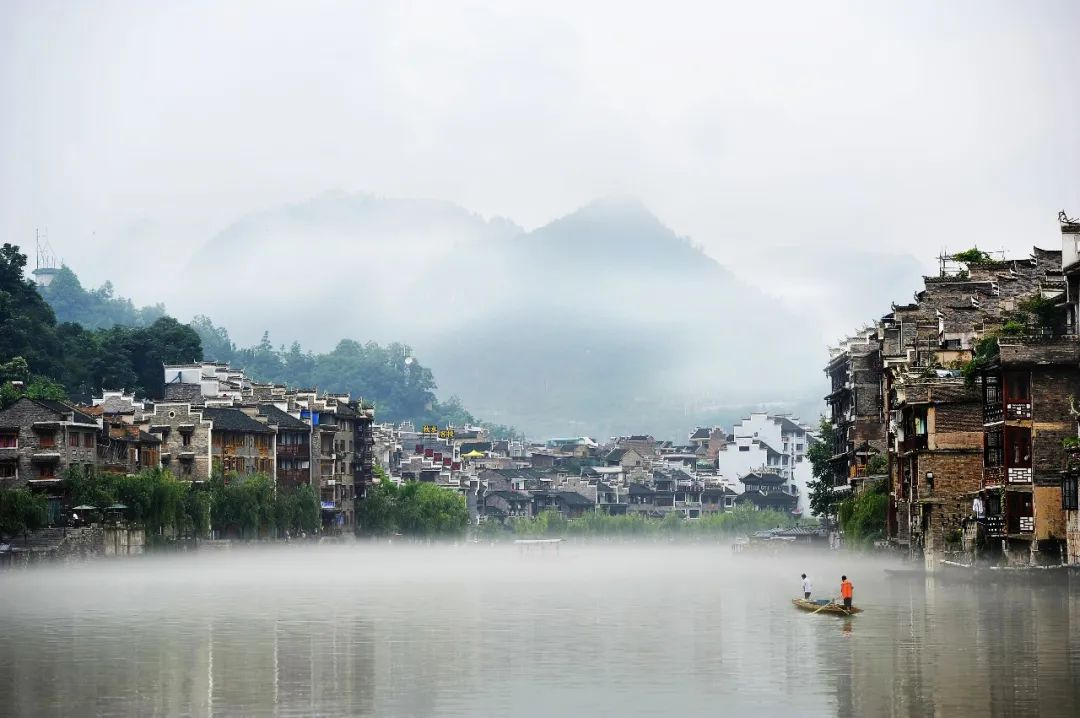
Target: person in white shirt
806 587
977 507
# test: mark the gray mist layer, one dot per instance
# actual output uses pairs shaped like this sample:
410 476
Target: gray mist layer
631 629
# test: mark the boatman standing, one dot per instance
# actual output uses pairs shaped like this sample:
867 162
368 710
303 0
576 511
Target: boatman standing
806 587
846 592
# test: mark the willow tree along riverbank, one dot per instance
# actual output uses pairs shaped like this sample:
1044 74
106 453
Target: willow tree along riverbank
243 507
551 524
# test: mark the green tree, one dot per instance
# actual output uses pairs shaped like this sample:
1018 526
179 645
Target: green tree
821 495
216 344
262 361
27 323
877 465
414 509
376 512
862 518
38 387
21 510
972 256
197 511
90 487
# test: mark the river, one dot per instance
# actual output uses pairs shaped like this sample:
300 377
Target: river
651 629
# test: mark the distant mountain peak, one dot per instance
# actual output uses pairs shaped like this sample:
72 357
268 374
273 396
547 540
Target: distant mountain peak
620 210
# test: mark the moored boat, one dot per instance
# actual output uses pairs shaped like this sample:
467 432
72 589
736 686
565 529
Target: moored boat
835 609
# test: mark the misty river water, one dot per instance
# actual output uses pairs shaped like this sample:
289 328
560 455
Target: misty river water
469 630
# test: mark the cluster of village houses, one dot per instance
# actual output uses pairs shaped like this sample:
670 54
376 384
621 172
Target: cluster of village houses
210 417
977 464
761 464
213 416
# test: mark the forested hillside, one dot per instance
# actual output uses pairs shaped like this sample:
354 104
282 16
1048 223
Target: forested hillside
389 376
54 358
78 341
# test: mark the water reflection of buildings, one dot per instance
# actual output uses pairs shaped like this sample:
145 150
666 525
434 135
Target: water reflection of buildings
289 665
176 664
960 650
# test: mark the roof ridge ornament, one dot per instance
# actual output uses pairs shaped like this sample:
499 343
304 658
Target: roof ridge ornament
1067 220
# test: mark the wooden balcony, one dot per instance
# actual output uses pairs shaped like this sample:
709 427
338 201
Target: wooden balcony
297 451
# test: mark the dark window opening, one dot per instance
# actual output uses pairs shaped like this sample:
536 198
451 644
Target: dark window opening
1018 446
1070 486
1017 388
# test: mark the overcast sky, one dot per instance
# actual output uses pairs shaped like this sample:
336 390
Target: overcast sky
904 127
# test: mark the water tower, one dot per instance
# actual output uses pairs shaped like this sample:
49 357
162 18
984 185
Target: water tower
46 269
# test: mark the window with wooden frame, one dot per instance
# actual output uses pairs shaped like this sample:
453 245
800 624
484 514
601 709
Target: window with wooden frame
994 453
992 391
9 440
1070 486
1018 388
47 439
1018 446
75 439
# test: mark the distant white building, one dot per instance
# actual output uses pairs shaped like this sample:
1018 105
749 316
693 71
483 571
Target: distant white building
775 443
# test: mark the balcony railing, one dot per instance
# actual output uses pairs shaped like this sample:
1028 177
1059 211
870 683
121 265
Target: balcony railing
301 451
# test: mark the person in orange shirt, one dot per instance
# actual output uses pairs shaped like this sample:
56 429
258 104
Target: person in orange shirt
846 592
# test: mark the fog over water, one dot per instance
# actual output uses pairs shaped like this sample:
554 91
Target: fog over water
648 629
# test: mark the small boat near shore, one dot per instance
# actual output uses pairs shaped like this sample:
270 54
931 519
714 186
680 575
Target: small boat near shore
834 609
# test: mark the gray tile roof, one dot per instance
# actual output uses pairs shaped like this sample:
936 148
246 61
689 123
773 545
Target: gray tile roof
759 477
282 419
235 420
61 408
184 393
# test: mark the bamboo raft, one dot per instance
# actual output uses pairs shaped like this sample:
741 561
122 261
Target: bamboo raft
835 609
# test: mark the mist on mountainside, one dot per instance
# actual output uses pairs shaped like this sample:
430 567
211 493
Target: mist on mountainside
604 321
337 265
834 289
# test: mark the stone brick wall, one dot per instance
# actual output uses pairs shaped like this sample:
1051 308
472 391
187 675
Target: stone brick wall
1062 352
956 473
1072 535
1050 391
23 414
118 541
172 417
956 426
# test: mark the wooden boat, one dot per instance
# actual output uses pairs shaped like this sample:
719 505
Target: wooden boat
835 609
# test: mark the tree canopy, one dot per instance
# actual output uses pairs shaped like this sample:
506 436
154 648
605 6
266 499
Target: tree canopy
822 498
414 508
69 355
95 308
